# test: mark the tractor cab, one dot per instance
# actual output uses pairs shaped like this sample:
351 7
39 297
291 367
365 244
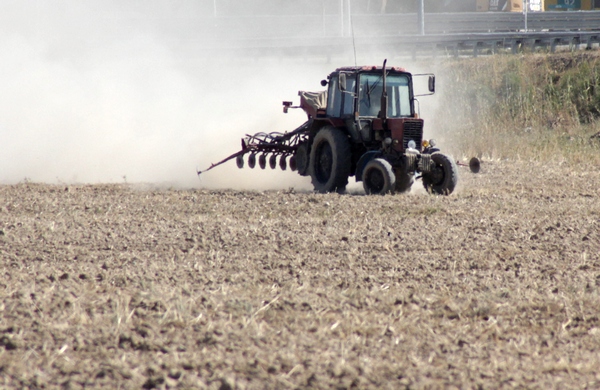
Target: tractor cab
358 92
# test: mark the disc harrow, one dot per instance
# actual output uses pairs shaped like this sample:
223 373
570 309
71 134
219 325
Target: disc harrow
268 147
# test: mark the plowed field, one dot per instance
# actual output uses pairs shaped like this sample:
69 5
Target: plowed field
130 286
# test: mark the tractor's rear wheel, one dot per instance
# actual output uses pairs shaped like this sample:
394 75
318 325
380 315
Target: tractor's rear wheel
443 177
378 177
329 164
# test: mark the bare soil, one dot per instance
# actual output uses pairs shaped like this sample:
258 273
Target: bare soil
129 286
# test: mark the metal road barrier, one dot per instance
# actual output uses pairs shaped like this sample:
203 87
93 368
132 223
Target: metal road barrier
411 45
477 22
364 25
446 33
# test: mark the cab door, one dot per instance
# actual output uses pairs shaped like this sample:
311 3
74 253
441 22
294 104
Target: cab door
340 101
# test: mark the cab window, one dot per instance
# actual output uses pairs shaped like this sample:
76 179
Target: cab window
370 91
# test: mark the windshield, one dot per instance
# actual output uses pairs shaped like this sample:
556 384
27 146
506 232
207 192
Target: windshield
369 94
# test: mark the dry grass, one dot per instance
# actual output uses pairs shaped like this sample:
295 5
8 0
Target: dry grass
533 107
113 286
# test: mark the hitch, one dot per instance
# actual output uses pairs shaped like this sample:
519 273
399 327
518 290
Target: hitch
240 153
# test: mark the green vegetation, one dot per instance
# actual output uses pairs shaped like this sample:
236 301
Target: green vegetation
533 107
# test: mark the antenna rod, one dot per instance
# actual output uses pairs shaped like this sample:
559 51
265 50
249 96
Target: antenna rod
353 43
342 17
421 17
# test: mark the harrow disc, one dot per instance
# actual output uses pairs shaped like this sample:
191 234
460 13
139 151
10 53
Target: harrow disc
239 160
293 165
302 158
262 161
252 160
273 161
283 163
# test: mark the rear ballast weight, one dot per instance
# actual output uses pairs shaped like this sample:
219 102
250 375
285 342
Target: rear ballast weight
364 125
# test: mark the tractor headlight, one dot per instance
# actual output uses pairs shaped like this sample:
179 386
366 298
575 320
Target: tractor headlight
411 144
388 141
425 143
432 143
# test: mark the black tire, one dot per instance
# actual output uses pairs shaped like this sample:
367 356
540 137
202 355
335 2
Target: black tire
378 177
329 164
404 181
444 176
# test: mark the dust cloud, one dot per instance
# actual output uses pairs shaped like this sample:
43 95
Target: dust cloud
102 91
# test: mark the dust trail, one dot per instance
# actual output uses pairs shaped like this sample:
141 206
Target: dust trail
86 103
90 98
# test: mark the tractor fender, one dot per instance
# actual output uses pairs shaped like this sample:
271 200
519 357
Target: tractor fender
363 161
430 150
314 126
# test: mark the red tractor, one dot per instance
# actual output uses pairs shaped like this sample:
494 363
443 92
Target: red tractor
364 125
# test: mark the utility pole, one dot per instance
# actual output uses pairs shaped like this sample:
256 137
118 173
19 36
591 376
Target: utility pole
525 6
421 16
323 16
349 8
342 17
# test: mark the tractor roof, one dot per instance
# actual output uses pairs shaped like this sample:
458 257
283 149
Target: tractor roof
369 68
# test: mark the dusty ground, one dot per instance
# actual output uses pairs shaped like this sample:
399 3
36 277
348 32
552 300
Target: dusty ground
118 286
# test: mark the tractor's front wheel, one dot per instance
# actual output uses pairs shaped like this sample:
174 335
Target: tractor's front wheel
378 177
330 160
443 177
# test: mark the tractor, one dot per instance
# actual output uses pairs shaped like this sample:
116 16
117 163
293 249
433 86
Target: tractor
364 125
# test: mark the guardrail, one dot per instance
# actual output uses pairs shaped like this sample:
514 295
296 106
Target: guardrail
511 22
446 33
364 25
414 45
477 22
